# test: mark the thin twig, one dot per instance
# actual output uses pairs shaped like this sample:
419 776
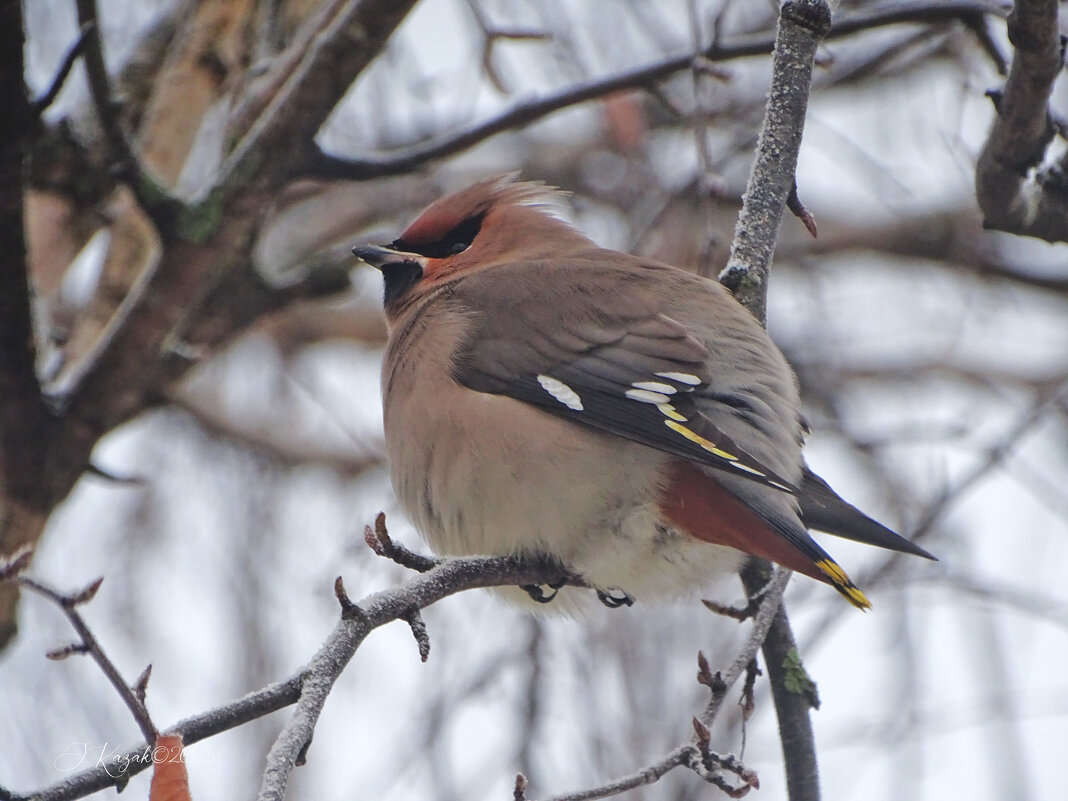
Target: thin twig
422 638
448 577
132 696
311 684
721 682
75 50
120 768
407 160
379 541
491 35
937 509
153 198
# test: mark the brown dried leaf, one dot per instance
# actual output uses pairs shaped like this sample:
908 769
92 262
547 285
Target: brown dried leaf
170 781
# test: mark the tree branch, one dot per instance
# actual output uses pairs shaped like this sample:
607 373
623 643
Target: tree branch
27 427
1046 402
685 754
205 267
119 769
793 694
328 166
802 26
1011 196
153 198
69 59
449 577
68 604
309 688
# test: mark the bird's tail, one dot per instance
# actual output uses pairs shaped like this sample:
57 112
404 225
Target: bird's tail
823 509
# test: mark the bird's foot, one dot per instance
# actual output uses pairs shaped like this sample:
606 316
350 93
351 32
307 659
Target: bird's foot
538 594
615 599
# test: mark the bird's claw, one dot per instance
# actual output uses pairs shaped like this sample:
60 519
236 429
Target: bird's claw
539 595
614 601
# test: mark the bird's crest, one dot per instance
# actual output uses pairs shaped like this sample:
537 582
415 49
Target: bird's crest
474 202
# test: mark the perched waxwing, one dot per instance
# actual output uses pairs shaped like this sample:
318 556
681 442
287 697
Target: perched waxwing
630 420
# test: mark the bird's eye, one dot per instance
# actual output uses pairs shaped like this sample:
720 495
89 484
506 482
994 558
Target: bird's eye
456 240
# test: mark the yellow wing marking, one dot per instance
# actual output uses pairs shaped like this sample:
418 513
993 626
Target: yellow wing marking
668 410
704 443
843 583
675 424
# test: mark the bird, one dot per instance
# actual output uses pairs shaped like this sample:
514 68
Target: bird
626 419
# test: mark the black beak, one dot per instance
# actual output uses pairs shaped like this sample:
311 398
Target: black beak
402 270
379 256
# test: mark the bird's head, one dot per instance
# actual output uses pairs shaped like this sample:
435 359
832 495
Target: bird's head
493 222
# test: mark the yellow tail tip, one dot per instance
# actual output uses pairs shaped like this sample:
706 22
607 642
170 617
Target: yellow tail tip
841 582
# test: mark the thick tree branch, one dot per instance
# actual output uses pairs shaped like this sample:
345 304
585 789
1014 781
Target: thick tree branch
210 244
27 428
793 694
20 391
1014 192
207 247
21 406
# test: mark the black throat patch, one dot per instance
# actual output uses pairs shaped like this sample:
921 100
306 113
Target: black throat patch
399 276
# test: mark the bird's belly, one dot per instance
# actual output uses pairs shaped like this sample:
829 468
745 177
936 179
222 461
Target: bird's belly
585 498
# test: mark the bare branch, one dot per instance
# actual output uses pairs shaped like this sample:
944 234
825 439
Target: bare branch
132 696
379 541
72 55
27 427
802 26
151 195
311 686
422 637
491 35
689 754
994 457
14 564
205 268
793 698
118 770
328 166
449 577
1014 193
936 510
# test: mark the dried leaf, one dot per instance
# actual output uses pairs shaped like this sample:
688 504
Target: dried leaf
170 781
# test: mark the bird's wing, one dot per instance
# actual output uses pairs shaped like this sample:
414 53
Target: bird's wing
614 363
